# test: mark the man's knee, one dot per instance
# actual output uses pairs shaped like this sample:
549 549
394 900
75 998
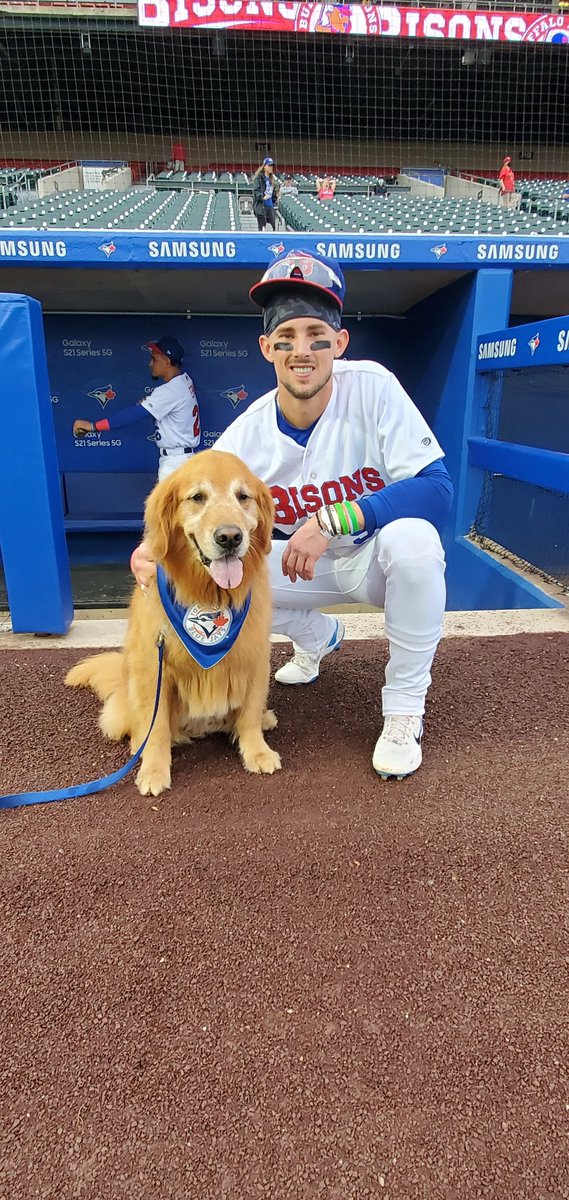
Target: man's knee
411 545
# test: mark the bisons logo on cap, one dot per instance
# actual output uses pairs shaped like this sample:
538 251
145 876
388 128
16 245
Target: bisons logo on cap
300 266
207 628
103 395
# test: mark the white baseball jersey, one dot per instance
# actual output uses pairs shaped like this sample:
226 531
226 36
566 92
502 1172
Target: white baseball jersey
174 407
369 436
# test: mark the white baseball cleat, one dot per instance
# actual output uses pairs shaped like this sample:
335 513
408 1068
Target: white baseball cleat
398 749
305 664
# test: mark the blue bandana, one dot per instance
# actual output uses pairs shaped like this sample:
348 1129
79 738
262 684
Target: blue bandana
207 635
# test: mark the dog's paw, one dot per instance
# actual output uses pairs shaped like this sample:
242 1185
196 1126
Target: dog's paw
269 720
151 781
262 762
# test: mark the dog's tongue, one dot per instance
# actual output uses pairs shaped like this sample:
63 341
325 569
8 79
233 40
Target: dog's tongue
227 572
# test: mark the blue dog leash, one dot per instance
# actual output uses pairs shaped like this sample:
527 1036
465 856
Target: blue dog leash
19 799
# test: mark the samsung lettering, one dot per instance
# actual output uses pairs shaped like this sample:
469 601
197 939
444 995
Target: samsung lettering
505 348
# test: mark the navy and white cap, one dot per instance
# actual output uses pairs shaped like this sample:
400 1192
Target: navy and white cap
303 273
170 347
268 162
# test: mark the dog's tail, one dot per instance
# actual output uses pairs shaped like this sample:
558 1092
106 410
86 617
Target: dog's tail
104 673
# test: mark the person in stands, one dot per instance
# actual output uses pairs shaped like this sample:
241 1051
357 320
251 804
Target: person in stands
265 194
507 182
325 188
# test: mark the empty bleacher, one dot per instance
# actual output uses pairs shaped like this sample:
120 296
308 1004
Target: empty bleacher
411 214
212 203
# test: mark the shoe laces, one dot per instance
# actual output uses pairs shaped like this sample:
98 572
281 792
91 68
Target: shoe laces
399 729
304 658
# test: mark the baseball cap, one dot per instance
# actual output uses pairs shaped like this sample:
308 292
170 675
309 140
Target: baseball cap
168 346
268 162
300 269
507 158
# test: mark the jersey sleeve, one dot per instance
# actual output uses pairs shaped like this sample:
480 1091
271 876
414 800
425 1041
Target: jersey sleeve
407 442
160 402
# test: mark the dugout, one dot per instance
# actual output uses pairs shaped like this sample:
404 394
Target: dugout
417 304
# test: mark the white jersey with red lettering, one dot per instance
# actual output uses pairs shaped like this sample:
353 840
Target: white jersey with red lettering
370 435
175 409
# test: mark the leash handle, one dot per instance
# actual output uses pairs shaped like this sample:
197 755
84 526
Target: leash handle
21 799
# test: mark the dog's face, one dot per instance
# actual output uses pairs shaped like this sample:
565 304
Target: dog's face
217 509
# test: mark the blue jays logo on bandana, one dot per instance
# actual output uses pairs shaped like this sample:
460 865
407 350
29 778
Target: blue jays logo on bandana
208 628
208 635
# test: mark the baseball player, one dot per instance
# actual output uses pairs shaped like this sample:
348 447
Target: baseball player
173 405
360 492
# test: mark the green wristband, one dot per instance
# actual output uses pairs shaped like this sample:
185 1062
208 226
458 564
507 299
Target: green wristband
352 515
342 518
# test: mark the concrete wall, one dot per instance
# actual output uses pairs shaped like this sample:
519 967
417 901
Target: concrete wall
419 187
456 187
62 181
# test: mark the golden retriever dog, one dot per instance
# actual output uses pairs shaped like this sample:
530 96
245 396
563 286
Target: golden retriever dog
208 525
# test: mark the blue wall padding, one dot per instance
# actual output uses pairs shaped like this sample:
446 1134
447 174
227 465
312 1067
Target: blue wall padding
32 537
105 495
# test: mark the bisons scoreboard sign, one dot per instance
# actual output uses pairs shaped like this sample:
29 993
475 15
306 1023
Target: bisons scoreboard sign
372 20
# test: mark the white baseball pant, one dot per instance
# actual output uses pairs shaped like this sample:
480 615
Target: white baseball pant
405 577
169 463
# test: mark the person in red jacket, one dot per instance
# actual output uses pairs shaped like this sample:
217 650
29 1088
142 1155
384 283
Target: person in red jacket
507 182
178 157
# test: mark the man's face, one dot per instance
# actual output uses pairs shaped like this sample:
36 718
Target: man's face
303 352
158 364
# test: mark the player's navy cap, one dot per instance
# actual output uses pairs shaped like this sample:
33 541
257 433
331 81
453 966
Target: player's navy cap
301 270
268 162
168 346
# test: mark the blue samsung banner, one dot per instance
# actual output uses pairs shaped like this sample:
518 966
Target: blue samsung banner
359 251
541 344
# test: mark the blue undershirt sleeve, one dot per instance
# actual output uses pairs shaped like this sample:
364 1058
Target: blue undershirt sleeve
125 416
427 495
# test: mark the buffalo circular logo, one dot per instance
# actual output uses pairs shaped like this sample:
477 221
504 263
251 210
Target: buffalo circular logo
336 18
553 28
207 627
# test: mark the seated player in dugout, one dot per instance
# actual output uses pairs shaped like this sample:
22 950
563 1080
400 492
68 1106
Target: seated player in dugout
361 493
173 405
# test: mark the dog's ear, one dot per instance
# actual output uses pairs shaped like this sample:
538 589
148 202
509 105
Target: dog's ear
159 512
266 506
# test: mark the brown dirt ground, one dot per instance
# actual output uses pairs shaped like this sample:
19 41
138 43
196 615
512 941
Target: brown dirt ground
310 985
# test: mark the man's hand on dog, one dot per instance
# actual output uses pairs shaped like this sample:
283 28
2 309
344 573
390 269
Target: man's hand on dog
304 549
82 428
142 566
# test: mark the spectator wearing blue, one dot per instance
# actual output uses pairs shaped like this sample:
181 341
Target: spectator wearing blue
265 194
